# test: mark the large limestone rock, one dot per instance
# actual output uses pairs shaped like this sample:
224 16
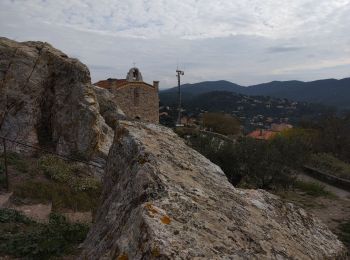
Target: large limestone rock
108 106
47 98
164 200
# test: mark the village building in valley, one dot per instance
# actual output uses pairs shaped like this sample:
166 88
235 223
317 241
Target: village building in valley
138 99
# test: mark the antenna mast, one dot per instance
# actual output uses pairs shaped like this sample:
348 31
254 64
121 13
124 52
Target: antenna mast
179 73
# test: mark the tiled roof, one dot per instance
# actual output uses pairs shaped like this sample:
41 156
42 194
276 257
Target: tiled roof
117 83
109 83
262 134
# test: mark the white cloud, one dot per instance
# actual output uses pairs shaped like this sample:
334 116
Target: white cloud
316 65
187 18
245 41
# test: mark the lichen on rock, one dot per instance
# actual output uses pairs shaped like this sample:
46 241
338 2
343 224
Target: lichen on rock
47 99
161 199
179 205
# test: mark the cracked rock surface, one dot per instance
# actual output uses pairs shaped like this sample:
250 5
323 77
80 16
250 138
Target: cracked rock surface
163 200
47 99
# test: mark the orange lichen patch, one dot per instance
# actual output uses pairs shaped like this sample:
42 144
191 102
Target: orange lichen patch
151 209
165 220
155 252
123 257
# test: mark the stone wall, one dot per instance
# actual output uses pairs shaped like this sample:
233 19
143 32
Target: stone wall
138 100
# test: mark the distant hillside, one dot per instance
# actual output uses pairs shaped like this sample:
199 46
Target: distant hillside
189 91
253 111
329 91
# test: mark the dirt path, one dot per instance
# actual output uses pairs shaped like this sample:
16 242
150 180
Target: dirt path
331 211
337 191
41 212
4 198
37 212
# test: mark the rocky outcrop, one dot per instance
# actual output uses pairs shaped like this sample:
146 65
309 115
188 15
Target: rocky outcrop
164 200
108 107
161 199
47 98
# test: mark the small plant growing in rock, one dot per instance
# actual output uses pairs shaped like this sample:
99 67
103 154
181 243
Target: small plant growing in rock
68 173
55 168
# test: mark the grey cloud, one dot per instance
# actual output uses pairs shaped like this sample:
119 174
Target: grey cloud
244 58
101 67
284 49
187 18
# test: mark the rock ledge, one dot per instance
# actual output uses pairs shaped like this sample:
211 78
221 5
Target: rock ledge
164 200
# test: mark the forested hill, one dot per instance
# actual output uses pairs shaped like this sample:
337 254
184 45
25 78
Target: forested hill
329 91
253 111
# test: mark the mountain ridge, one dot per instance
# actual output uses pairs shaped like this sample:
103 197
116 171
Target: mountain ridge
332 92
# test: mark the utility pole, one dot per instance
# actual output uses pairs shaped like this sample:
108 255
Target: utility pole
179 73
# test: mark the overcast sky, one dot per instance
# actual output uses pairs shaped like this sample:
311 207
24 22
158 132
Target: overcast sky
243 41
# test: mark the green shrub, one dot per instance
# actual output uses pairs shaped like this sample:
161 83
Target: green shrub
225 124
61 196
12 216
250 163
2 169
2 176
67 173
331 165
43 241
17 161
313 189
86 184
55 168
2 180
68 187
345 233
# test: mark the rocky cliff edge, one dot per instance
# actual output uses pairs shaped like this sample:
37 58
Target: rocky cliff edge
47 99
163 200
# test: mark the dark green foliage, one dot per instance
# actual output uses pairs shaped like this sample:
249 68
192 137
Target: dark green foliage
345 233
253 163
269 165
67 173
17 161
2 168
333 136
2 176
61 195
224 124
12 216
314 91
68 185
41 241
331 165
247 108
313 189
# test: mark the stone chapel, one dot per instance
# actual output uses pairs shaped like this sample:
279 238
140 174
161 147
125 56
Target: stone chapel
138 99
